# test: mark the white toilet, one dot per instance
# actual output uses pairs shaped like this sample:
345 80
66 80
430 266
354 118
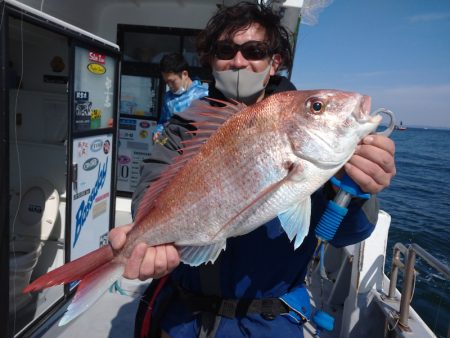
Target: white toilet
34 223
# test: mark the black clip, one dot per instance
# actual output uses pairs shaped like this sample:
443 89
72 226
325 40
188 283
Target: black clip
267 306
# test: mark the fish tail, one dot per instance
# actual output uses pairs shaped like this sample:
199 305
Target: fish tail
74 270
91 288
96 270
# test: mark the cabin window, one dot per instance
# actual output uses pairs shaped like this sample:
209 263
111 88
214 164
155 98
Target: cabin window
149 48
142 91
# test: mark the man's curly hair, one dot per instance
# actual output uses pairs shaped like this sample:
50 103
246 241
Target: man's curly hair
230 20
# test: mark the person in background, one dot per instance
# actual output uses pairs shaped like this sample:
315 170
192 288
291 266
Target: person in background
238 296
182 89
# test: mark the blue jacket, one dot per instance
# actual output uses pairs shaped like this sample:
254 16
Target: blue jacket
173 103
263 264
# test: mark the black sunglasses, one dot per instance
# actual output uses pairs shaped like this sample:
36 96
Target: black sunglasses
251 50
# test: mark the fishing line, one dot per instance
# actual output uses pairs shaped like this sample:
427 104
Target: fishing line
42 4
19 171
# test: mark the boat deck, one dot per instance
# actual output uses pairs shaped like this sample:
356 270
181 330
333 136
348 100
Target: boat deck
357 312
111 317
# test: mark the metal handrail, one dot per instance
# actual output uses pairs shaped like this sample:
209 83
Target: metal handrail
410 253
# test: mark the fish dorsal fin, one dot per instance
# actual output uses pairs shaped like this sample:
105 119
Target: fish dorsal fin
206 120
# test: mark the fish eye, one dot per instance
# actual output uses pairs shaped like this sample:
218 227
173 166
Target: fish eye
315 106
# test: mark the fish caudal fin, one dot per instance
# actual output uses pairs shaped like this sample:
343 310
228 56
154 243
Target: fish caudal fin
97 272
91 288
74 270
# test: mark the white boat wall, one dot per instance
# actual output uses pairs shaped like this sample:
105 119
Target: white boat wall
40 140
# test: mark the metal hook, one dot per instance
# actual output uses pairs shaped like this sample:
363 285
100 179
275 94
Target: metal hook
391 125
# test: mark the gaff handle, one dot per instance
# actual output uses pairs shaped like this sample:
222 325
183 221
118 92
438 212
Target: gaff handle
337 208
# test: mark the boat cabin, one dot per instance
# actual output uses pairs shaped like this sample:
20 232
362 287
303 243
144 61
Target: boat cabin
81 95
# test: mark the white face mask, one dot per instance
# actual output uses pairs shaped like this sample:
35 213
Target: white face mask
182 88
241 84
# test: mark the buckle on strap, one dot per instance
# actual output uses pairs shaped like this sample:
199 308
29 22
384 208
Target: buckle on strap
298 302
269 308
228 308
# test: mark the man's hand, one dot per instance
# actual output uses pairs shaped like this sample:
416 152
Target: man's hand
372 166
145 262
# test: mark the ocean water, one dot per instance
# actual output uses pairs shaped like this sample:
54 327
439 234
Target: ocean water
419 202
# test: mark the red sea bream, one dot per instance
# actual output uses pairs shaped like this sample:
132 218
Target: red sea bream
243 167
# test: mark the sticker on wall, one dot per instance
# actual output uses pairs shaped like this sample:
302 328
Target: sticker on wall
101 205
82 114
128 124
126 135
97 69
96 118
123 159
143 133
90 164
97 57
86 205
96 145
81 95
81 194
99 209
82 148
106 146
144 124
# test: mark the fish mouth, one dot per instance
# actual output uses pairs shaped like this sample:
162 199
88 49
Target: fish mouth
362 110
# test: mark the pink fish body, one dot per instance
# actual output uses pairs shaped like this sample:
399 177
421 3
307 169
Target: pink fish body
244 167
265 160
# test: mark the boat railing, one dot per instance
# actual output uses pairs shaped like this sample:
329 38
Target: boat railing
410 252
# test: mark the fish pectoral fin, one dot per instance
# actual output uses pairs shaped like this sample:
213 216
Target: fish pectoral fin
196 255
295 221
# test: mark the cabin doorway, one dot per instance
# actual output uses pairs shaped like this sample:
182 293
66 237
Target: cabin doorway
37 78
58 89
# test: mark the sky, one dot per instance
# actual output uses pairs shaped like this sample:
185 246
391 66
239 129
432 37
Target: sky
396 51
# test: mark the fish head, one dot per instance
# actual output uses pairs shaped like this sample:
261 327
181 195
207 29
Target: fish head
326 125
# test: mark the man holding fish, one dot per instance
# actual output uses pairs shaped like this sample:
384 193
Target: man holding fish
235 193
245 45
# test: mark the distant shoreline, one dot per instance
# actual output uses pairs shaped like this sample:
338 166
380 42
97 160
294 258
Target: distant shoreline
418 127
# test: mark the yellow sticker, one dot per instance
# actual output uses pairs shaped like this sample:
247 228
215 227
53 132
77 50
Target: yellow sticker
96 68
96 114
